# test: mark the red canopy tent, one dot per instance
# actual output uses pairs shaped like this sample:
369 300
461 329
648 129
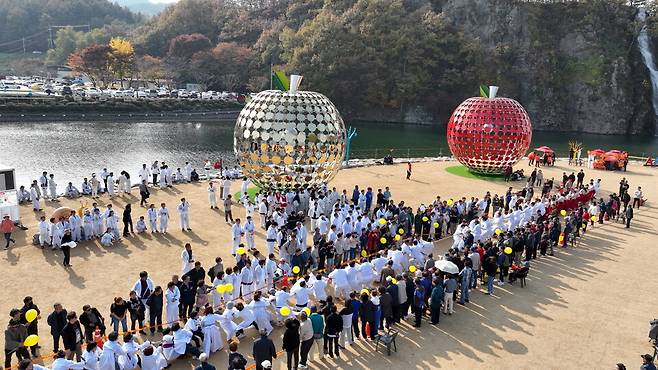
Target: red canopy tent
545 149
597 152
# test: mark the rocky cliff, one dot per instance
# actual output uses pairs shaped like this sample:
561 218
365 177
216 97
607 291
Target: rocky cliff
575 66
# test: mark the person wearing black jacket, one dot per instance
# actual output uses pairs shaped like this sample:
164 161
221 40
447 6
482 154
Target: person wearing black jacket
530 246
393 290
72 337
236 360
56 321
127 220
409 290
66 248
137 312
291 342
32 327
333 328
367 315
187 296
155 303
198 273
90 319
386 305
263 349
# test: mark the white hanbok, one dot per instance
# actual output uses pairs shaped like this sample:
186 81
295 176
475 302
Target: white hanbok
109 358
212 337
261 315
173 299
156 361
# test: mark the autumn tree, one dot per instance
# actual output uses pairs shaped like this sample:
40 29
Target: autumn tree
122 58
93 61
225 67
185 46
151 68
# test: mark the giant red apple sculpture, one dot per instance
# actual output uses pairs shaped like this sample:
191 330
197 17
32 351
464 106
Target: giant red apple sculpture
489 134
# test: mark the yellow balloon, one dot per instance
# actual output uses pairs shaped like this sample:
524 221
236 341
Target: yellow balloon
394 281
221 289
364 254
398 237
450 202
400 231
498 231
382 221
307 311
285 311
31 315
507 250
31 340
584 225
228 288
412 268
563 212
594 218
241 251
296 270
382 240
365 291
436 225
425 219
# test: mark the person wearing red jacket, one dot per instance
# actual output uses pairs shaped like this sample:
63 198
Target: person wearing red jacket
7 227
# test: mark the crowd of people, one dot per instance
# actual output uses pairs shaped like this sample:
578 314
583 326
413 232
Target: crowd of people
366 265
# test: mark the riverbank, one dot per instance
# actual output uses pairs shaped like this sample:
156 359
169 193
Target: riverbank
531 327
67 109
197 116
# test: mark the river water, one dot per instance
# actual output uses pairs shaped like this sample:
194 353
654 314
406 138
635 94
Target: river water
72 150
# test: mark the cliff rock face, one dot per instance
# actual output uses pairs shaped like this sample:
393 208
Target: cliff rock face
575 66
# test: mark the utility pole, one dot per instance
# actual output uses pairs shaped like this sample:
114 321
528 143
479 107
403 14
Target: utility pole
23 45
51 43
271 66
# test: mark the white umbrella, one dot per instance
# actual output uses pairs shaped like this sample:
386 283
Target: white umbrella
446 266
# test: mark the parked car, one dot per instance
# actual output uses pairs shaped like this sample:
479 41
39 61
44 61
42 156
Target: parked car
66 91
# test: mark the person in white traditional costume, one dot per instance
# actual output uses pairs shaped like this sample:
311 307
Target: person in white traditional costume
172 296
212 195
184 213
340 282
259 307
112 351
187 259
212 336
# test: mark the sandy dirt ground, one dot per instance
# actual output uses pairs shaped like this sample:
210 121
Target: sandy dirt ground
587 307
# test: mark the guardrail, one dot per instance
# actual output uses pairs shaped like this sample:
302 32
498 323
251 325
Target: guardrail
399 152
153 115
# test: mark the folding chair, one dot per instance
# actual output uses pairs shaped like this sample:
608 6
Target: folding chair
387 340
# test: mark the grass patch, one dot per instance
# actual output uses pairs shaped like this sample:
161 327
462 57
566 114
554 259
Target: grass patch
251 191
462 171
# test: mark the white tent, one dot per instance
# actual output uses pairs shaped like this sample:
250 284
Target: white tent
8 196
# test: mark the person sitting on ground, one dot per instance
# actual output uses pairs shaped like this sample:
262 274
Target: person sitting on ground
182 341
23 195
86 187
194 176
71 191
108 238
140 226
